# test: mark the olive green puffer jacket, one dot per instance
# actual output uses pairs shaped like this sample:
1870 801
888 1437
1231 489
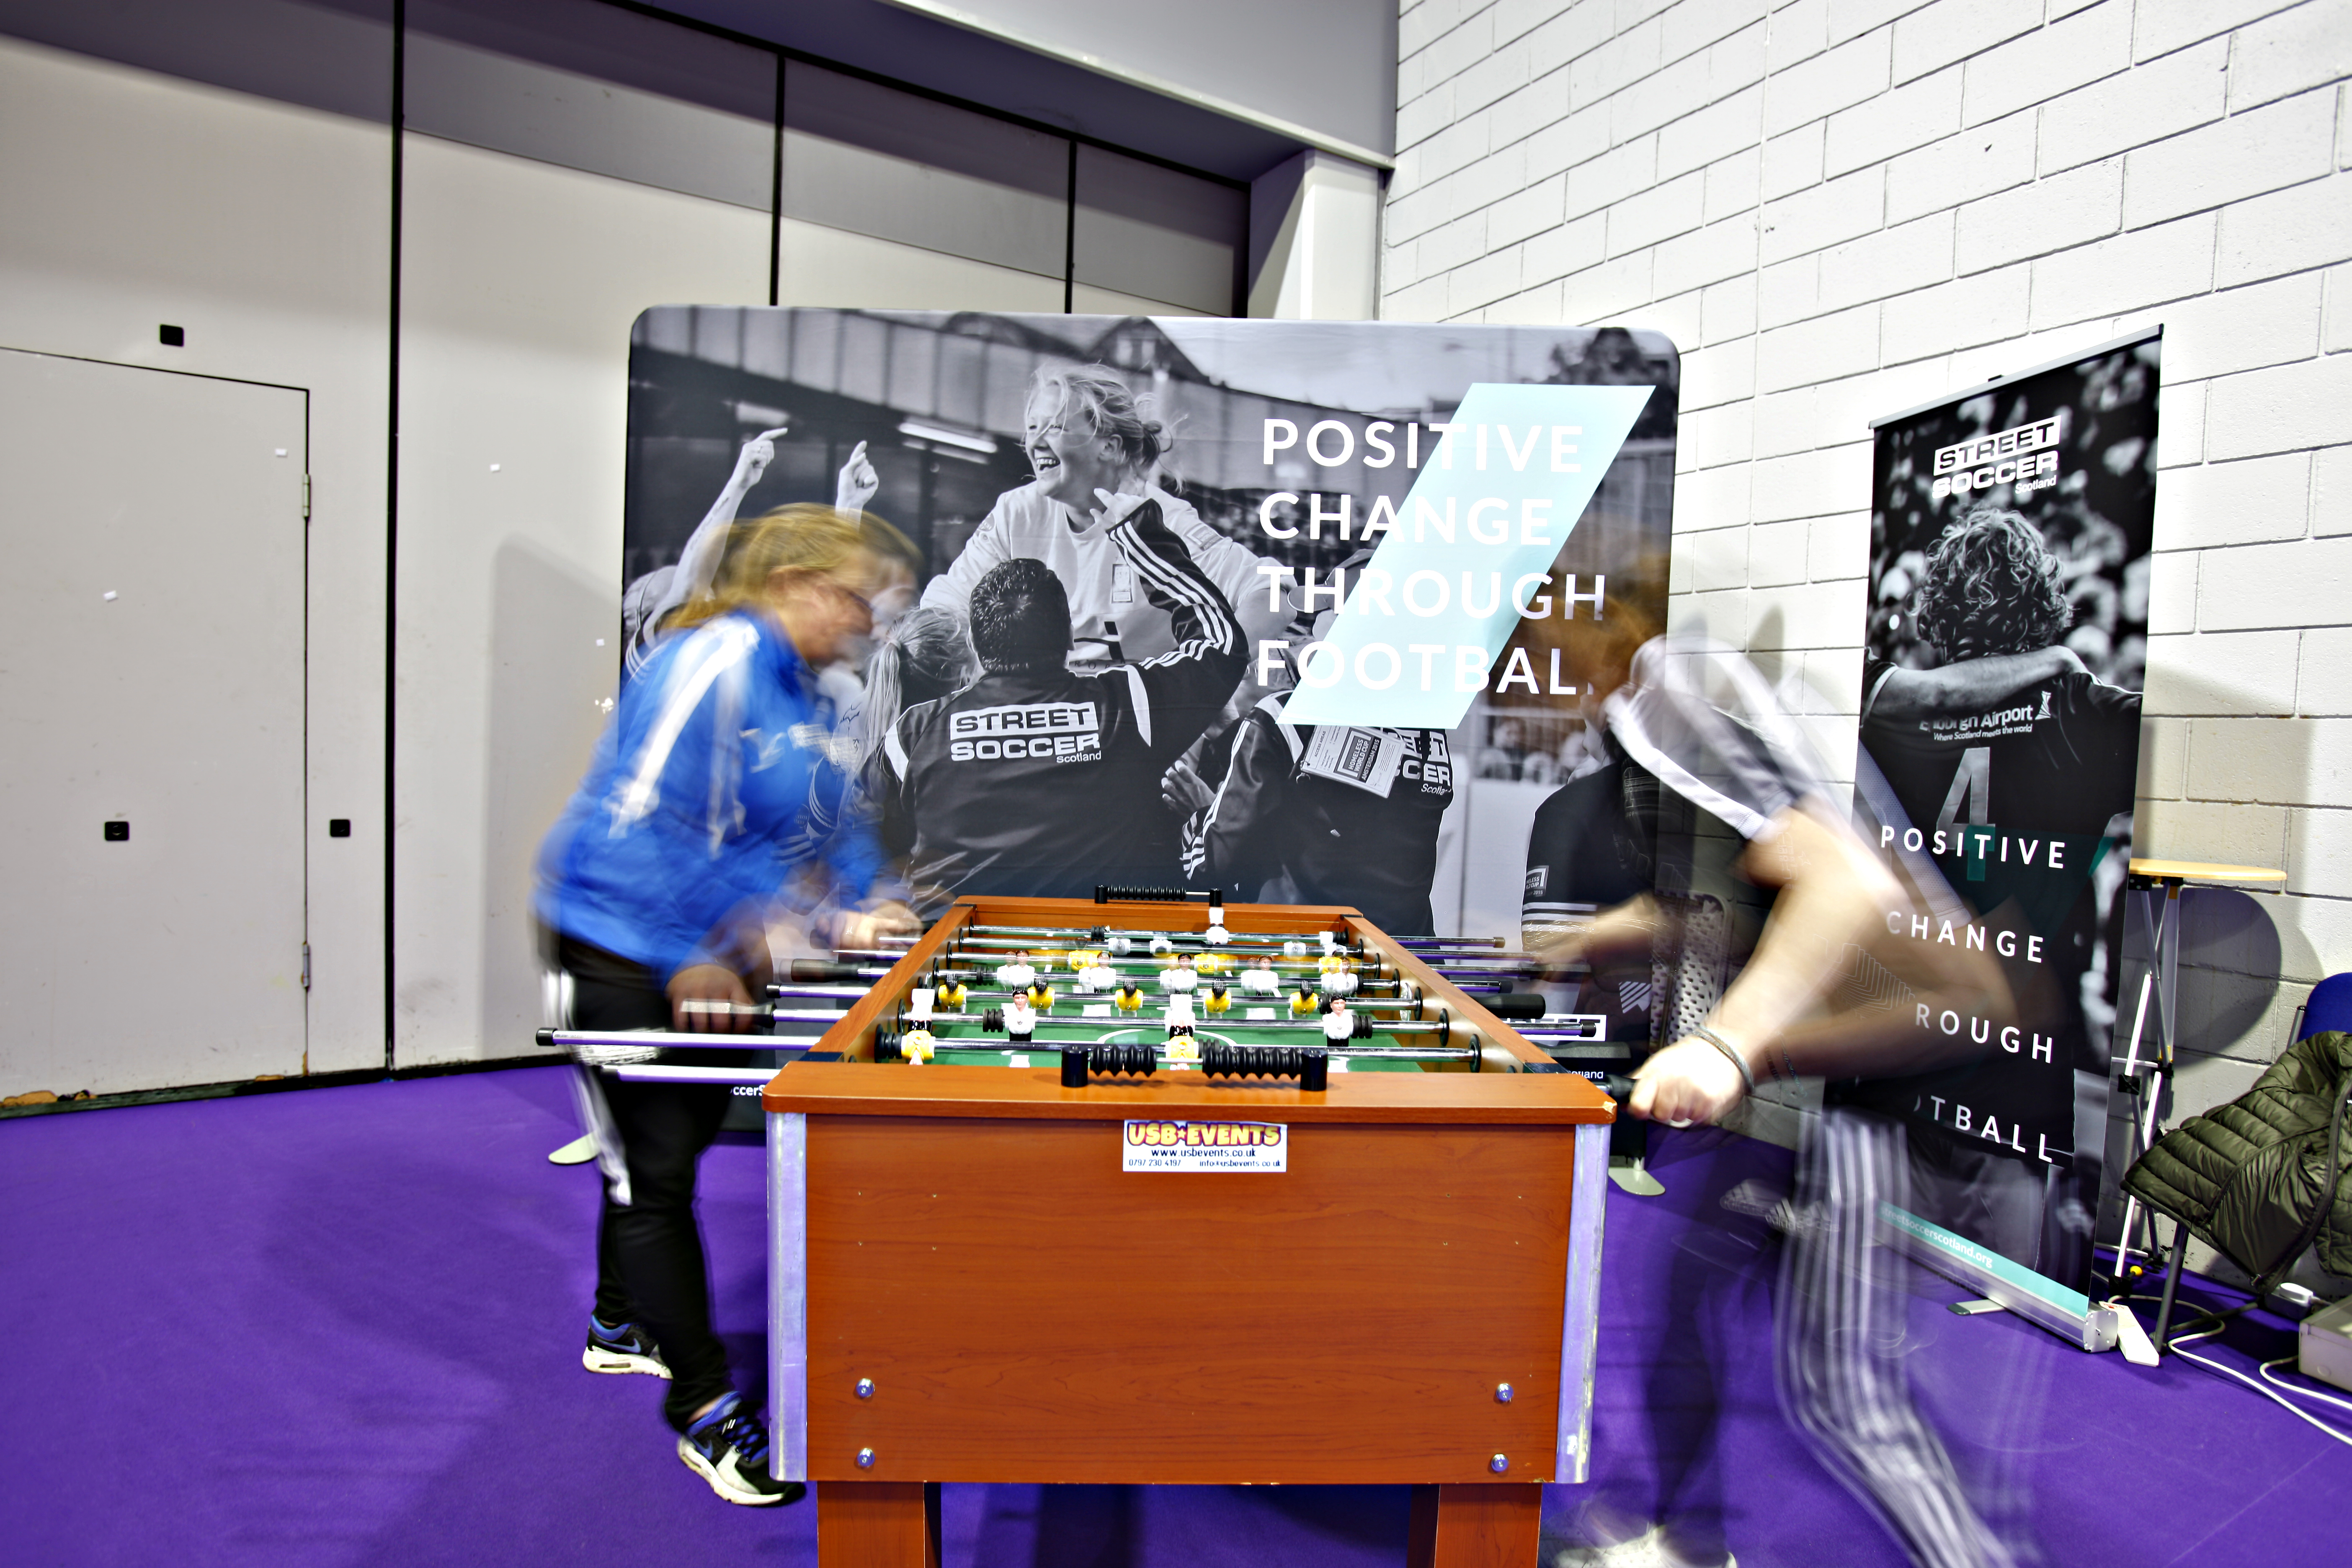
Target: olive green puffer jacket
2247 1177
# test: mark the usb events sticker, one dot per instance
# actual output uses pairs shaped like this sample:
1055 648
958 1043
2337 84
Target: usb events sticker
1204 1146
1468 553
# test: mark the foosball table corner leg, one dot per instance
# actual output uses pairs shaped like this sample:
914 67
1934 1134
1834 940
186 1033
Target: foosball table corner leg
879 1525
1474 1526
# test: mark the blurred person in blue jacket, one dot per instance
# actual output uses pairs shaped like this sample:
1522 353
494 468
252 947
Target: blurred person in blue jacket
713 801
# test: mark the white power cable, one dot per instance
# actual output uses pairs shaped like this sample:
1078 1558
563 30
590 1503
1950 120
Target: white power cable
2293 1388
2267 1394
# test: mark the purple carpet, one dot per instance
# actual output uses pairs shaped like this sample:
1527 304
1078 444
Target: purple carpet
341 1327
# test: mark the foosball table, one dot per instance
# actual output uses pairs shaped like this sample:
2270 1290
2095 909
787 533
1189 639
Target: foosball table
1159 1191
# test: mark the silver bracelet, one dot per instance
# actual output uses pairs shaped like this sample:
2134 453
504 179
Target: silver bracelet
1746 1076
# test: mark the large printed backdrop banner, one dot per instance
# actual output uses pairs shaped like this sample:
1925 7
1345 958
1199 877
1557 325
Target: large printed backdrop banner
1299 666
2008 591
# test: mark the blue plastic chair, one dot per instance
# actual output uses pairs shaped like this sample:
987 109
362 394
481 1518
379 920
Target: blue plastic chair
2329 1006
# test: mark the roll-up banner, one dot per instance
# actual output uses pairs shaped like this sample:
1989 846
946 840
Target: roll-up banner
1238 605
2000 704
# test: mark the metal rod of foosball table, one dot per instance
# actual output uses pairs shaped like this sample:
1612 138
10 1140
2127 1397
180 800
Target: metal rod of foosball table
664 1040
1482 960
1081 936
1512 963
1380 1053
1212 1026
664 1072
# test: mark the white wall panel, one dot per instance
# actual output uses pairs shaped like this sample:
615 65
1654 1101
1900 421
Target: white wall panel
823 266
133 199
868 159
520 282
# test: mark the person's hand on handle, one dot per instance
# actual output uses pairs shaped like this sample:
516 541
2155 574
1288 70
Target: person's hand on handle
709 999
857 483
863 930
1689 1081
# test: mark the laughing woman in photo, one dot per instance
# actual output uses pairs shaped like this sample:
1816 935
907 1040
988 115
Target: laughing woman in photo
1089 443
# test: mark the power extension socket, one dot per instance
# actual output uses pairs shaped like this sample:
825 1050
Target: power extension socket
2324 1346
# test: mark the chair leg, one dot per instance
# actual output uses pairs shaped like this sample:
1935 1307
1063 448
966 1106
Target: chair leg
2171 1284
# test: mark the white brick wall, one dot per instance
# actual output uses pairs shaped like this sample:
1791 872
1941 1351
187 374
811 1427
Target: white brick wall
1841 207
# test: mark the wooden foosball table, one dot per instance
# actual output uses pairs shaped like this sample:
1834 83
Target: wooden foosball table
1118 1225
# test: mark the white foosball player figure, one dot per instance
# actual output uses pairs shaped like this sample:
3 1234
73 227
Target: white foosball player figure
1180 979
1020 1022
1017 976
1261 981
1338 1024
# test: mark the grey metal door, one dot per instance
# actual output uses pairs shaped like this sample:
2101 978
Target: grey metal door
152 677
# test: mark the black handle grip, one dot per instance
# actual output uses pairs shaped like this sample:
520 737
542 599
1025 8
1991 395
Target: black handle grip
818 970
1106 893
547 1039
1519 1004
1310 1065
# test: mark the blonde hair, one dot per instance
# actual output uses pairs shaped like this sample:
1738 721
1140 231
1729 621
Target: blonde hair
1600 651
1116 412
807 539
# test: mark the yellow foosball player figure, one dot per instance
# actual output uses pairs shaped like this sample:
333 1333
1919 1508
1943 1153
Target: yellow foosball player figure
1216 1001
951 995
1040 997
918 1046
1128 998
1304 1003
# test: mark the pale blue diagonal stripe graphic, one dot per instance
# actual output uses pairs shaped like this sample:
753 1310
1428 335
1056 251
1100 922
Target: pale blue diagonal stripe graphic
1486 515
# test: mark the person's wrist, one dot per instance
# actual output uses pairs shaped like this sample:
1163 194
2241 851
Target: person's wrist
1737 1058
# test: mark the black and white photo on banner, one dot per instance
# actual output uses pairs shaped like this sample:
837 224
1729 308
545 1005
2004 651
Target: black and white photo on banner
1193 497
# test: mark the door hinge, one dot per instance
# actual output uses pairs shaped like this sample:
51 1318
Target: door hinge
306 498
306 966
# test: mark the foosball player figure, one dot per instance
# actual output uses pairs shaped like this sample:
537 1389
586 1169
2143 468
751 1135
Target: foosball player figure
1179 980
1339 1024
1261 981
1305 1003
1216 1001
918 1046
1040 995
1020 1022
1128 998
951 995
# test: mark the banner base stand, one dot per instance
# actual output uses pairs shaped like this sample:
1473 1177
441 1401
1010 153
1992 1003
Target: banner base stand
2040 1300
